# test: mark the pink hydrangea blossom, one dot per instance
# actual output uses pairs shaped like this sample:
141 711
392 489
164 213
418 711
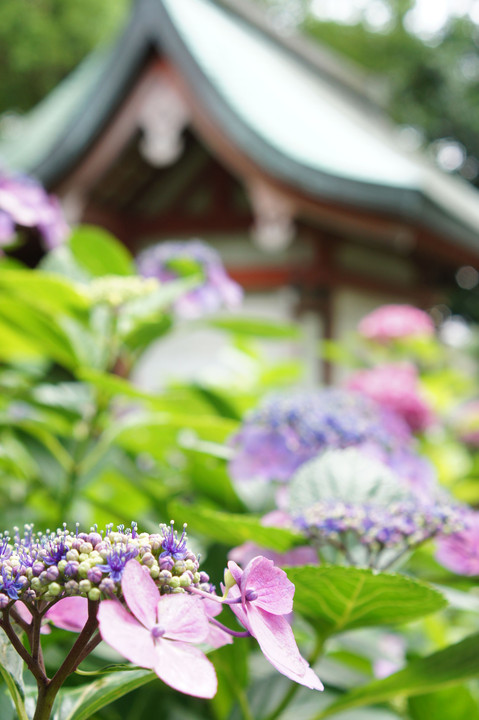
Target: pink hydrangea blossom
459 552
394 322
70 613
395 386
160 632
263 596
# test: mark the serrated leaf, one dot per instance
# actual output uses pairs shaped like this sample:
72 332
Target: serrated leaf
233 529
336 598
346 475
82 703
438 705
445 668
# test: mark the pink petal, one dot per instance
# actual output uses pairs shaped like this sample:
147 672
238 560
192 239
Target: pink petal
217 637
140 593
183 618
274 590
185 668
23 611
71 613
278 645
235 570
125 634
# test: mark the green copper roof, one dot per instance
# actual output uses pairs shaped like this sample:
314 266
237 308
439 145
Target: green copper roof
296 121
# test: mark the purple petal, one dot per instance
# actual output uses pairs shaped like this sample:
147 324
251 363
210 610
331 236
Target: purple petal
71 613
140 593
185 668
183 618
276 640
273 589
125 634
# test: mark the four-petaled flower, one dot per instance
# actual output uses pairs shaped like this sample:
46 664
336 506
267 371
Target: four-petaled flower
262 596
158 632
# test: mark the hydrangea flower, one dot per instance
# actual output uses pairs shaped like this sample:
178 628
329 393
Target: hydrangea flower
395 322
459 552
169 261
288 429
47 566
377 535
260 599
160 633
395 386
24 203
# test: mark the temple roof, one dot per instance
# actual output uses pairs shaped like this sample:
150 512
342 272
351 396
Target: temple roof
296 115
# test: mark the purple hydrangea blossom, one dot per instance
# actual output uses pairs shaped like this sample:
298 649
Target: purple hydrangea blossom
24 203
289 429
395 322
459 552
377 535
169 261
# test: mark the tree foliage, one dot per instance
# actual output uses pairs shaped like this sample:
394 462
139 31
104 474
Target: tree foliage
41 41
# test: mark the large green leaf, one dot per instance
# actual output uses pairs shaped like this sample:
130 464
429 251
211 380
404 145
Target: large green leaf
438 705
337 598
11 670
268 329
232 529
81 704
98 252
445 668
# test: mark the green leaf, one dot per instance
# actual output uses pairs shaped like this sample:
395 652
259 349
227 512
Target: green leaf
268 329
443 669
82 703
45 291
336 598
437 705
335 475
232 529
11 669
98 252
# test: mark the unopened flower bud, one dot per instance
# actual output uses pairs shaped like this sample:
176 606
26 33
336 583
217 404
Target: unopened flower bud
71 569
86 548
54 589
95 575
51 574
71 587
155 572
107 586
229 581
84 586
72 556
37 568
4 600
174 582
83 569
186 579
148 559
94 594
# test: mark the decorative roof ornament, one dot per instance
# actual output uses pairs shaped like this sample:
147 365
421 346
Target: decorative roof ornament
162 118
273 228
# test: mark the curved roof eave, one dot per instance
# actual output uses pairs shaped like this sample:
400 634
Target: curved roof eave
152 26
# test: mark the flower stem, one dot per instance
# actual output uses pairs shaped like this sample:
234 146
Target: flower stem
295 686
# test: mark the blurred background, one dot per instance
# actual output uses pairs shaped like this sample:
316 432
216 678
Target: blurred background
327 150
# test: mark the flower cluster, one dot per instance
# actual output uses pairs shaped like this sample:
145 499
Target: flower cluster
377 534
395 322
395 386
459 552
24 203
466 423
287 430
146 596
169 261
43 567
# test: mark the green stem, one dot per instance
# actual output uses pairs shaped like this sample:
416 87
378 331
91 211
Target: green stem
295 686
244 704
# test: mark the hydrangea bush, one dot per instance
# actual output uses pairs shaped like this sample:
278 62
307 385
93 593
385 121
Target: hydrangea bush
348 482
